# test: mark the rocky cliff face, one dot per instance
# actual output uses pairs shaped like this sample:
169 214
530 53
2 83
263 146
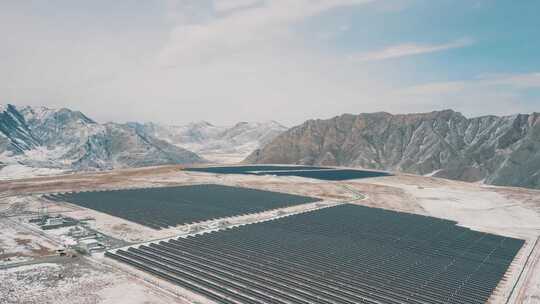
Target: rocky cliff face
15 135
39 137
496 150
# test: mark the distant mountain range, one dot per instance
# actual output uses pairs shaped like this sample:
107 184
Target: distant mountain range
216 143
495 150
491 149
43 140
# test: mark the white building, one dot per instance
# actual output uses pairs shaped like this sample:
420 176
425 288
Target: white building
89 245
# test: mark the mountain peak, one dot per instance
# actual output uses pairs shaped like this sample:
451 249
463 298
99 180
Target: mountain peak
69 140
201 124
274 124
264 124
499 150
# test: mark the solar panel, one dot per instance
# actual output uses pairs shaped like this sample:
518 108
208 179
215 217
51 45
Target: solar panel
171 206
342 254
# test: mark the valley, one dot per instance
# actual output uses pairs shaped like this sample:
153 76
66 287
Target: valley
270 152
510 212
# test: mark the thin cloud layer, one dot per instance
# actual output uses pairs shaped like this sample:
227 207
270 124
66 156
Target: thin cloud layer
499 93
411 49
225 61
252 26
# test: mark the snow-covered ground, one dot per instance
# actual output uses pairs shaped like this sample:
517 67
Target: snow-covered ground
506 211
15 171
472 205
75 281
30 164
18 245
511 212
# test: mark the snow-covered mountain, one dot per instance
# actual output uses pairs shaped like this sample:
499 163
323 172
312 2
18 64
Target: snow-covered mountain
15 135
216 143
39 139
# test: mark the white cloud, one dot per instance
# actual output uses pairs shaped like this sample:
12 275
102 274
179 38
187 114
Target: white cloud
251 29
227 5
344 28
248 61
410 49
529 80
248 64
493 94
515 81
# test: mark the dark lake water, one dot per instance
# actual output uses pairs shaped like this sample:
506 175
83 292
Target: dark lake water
331 175
250 169
321 173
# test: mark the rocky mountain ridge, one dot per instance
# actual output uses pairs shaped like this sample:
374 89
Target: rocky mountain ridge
498 150
62 139
56 140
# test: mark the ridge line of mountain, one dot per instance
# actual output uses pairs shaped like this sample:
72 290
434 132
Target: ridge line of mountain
498 150
66 140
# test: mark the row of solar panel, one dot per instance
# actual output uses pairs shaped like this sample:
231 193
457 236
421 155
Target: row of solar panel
172 259
172 206
345 254
381 280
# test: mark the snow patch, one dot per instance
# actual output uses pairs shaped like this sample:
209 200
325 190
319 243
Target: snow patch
14 171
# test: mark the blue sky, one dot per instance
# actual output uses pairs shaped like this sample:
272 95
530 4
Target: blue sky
224 61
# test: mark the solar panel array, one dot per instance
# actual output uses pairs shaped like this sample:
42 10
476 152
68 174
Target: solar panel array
171 206
345 254
321 173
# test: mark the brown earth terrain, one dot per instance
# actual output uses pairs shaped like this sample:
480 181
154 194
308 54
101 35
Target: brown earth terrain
503 210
